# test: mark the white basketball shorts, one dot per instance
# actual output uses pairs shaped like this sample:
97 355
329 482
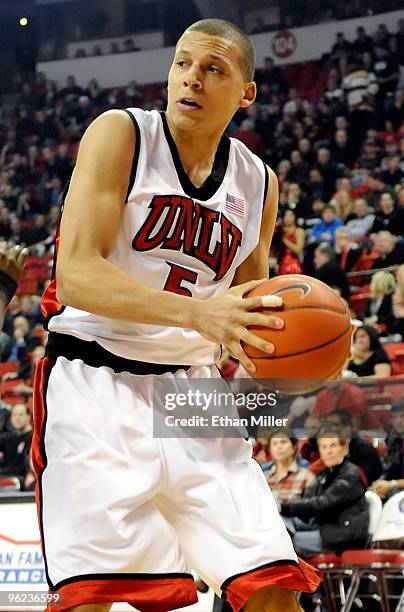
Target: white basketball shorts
124 515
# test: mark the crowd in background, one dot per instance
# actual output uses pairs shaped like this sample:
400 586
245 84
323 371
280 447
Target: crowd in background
333 132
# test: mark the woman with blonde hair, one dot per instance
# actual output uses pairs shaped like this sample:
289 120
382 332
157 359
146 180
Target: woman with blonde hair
382 287
343 204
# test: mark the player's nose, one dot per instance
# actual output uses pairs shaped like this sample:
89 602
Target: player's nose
193 78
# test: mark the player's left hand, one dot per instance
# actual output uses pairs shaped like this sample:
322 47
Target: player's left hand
12 259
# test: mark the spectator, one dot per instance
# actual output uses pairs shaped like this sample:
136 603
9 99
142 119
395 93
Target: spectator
392 478
377 187
363 43
23 341
358 84
325 230
379 307
369 358
342 151
329 171
370 158
393 175
391 251
343 204
385 68
360 222
273 76
387 218
341 47
309 448
286 478
361 453
333 513
347 252
329 271
299 170
291 245
15 445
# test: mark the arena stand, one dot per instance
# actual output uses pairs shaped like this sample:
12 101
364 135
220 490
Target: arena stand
325 149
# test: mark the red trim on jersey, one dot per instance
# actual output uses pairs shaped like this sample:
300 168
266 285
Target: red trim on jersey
38 454
50 305
301 577
151 595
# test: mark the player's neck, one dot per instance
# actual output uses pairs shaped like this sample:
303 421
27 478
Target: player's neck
197 150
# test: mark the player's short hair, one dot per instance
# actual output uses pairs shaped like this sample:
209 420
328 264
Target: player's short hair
229 31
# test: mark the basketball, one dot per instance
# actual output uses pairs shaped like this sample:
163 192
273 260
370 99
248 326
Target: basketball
315 341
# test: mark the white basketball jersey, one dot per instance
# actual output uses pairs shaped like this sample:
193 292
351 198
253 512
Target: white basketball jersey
175 237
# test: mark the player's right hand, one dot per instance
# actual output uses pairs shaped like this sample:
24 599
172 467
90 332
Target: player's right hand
225 320
12 258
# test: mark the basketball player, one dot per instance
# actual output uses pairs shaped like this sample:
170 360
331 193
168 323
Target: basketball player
166 226
12 258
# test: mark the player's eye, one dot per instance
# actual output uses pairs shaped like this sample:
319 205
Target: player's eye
214 69
181 63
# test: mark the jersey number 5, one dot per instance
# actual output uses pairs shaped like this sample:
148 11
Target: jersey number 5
176 276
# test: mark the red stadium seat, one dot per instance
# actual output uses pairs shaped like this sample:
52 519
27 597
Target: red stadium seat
8 367
378 563
9 483
395 351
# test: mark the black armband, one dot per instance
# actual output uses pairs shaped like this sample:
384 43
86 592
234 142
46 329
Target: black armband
8 287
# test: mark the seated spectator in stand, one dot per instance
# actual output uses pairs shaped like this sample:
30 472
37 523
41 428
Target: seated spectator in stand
392 478
343 204
328 270
325 230
15 445
362 43
297 203
361 452
286 478
379 307
23 340
370 359
393 175
387 217
328 170
291 239
342 151
377 186
333 513
370 158
299 170
358 84
347 251
341 47
385 68
391 251
360 222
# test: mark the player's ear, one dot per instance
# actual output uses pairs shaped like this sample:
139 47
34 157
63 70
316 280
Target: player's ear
249 94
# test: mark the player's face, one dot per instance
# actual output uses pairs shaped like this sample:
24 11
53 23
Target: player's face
205 83
332 452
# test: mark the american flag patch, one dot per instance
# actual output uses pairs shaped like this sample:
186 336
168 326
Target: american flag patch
235 205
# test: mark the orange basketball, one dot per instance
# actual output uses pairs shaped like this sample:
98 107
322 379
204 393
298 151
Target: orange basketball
315 341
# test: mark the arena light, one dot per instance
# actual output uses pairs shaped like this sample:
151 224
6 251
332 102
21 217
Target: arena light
23 21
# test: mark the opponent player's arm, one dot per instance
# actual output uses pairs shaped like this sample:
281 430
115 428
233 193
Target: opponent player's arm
12 260
87 280
257 263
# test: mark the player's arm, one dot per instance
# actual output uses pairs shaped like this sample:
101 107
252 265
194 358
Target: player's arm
87 280
257 263
12 260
